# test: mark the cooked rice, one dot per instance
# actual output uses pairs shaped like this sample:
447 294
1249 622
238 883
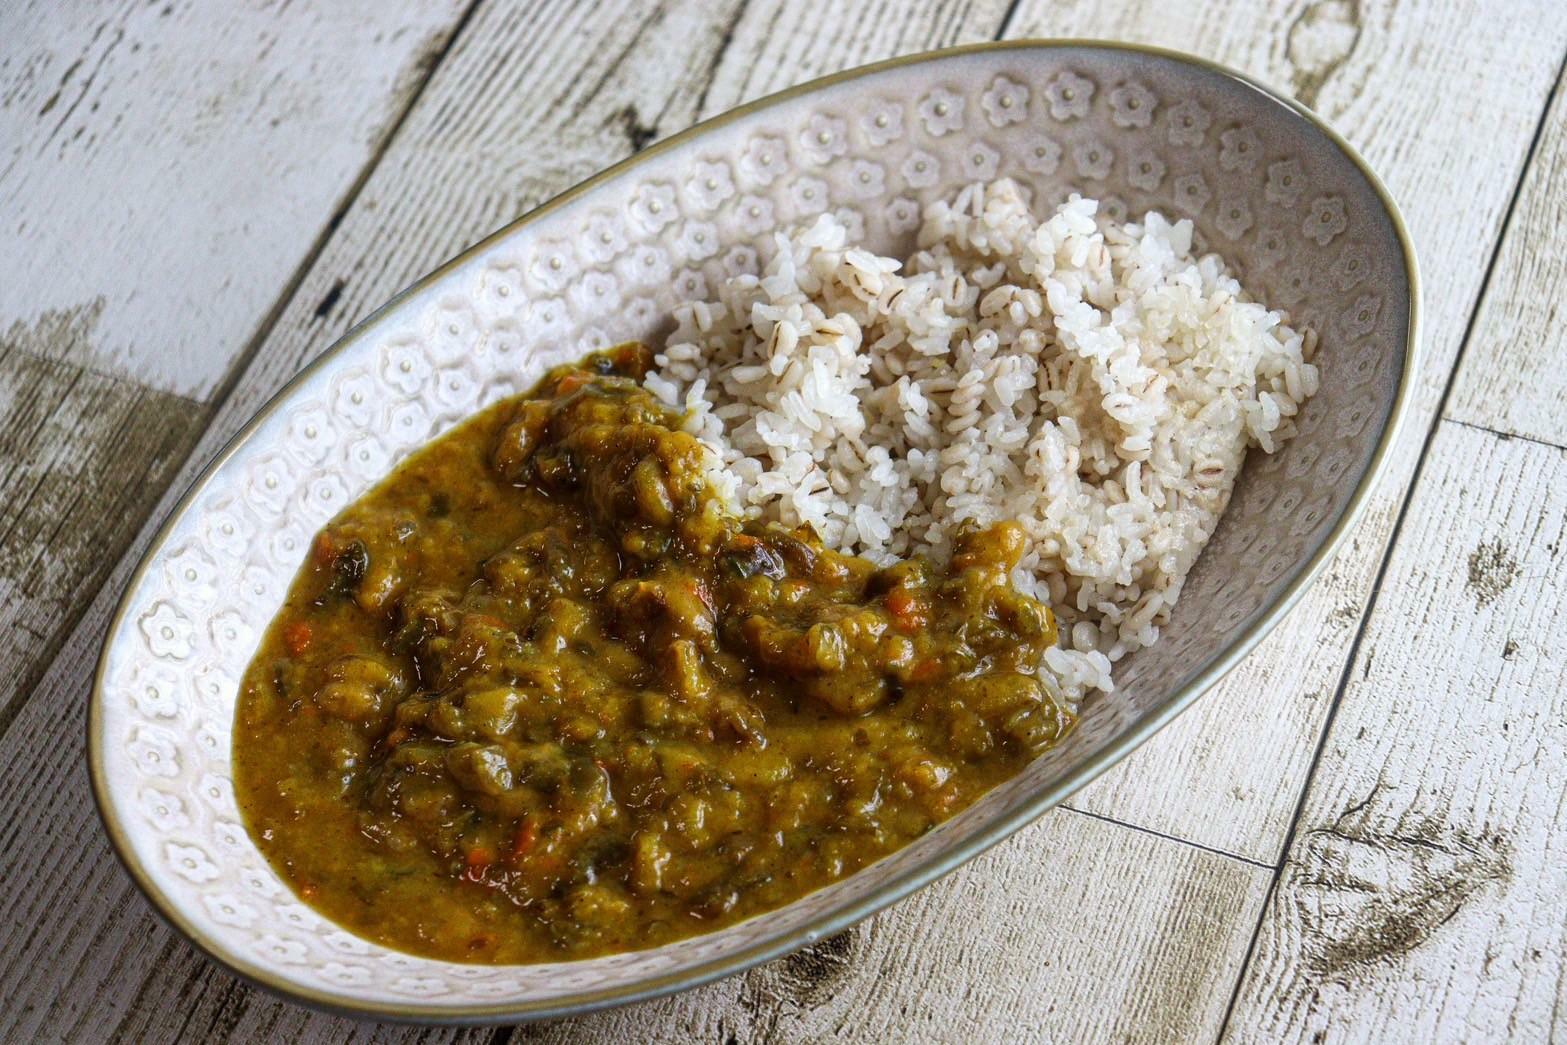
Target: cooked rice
1092 380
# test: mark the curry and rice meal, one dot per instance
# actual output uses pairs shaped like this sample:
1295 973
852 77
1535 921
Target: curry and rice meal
683 634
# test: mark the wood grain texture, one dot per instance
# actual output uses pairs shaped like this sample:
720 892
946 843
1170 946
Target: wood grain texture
1230 772
1512 378
1076 929
79 454
511 117
163 170
167 166
514 114
1422 897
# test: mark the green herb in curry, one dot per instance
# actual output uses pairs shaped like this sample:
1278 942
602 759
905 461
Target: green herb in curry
539 695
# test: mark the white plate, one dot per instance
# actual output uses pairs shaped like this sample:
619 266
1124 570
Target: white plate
1287 203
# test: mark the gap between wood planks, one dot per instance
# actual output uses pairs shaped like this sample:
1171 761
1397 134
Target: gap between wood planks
1006 19
242 360
1393 536
291 288
506 1035
1164 835
1504 436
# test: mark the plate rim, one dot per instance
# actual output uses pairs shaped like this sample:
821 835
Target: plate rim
836 920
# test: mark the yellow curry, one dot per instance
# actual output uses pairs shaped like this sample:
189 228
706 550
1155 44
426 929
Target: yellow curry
539 695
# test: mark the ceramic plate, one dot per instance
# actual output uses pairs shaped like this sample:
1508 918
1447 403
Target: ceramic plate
1288 204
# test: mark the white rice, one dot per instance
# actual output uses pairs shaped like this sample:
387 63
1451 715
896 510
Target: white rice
1092 380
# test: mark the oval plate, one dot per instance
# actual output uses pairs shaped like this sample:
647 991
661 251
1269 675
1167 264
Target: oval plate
1287 202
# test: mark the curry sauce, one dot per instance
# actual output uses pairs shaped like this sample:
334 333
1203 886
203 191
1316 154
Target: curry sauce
541 695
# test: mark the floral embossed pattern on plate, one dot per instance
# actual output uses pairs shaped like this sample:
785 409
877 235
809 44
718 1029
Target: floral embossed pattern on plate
1295 215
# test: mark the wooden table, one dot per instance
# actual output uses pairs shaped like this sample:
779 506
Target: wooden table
1360 834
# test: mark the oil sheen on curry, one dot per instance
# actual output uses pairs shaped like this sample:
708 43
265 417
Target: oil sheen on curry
539 695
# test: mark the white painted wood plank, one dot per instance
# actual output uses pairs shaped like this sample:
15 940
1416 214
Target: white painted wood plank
165 167
506 130
73 986
1075 930
1422 897
138 143
1514 375
516 113
1229 773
